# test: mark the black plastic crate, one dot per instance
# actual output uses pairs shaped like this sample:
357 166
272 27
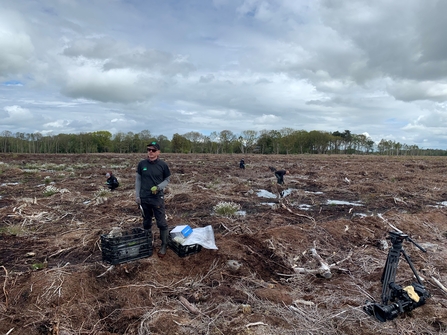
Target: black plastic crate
131 245
183 250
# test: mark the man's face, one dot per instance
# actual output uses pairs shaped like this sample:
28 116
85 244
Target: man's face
152 153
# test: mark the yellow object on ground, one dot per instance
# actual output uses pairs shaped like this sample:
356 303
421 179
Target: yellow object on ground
411 293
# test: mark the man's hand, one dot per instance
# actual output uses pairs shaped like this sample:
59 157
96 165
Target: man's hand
138 200
154 189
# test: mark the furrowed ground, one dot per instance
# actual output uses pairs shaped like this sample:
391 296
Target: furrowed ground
53 210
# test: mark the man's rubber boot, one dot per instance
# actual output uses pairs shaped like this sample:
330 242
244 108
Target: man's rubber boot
164 243
150 241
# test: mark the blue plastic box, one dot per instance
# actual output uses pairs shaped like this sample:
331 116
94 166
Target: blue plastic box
181 231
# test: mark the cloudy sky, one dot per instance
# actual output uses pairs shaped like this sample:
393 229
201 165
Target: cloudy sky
174 66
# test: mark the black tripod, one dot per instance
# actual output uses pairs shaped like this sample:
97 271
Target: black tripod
395 299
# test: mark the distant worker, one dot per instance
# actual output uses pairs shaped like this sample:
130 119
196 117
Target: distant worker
279 174
111 182
242 164
151 179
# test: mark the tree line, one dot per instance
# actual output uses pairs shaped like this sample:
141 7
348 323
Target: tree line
284 141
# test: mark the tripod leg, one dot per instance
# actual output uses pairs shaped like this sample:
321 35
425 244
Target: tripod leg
412 267
389 273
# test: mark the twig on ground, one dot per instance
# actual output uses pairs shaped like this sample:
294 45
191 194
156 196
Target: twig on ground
109 269
304 302
300 215
4 288
229 230
325 268
438 283
212 321
144 328
61 251
248 325
190 307
132 285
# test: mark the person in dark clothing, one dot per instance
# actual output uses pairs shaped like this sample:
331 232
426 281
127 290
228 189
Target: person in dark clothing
152 177
111 182
242 164
279 174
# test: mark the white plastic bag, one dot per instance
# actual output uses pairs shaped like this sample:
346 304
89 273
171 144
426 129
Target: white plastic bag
203 236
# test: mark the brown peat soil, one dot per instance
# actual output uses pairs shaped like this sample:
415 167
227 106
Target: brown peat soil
54 281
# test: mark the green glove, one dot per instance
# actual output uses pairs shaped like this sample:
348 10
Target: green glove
154 189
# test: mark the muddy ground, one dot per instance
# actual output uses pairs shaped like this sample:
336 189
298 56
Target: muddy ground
54 280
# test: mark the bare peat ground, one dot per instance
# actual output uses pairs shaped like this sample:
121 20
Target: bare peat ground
54 281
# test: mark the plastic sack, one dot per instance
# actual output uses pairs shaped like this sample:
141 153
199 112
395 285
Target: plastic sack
203 236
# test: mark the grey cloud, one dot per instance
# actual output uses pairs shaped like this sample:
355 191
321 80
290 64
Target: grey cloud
118 55
151 60
412 91
17 49
435 119
206 79
113 91
96 48
399 39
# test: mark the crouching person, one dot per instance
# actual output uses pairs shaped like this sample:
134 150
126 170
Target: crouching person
152 177
111 181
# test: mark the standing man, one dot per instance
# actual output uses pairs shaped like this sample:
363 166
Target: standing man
151 179
279 174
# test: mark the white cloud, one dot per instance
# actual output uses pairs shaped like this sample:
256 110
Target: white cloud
267 119
57 124
17 114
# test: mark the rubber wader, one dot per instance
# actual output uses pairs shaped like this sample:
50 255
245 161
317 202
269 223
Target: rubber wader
164 243
150 241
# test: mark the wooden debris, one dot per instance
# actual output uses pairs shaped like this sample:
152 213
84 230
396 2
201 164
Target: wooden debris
325 269
255 324
190 307
109 269
303 302
438 283
297 214
5 293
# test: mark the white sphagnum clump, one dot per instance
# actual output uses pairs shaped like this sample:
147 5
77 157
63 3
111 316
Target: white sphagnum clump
50 190
226 209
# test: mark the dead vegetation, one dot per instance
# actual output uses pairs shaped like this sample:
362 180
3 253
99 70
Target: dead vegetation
301 262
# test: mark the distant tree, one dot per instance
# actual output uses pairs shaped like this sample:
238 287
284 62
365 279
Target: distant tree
131 142
196 140
337 141
101 140
6 136
164 142
265 142
319 141
384 147
180 144
118 142
227 139
216 145
144 137
287 140
248 141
